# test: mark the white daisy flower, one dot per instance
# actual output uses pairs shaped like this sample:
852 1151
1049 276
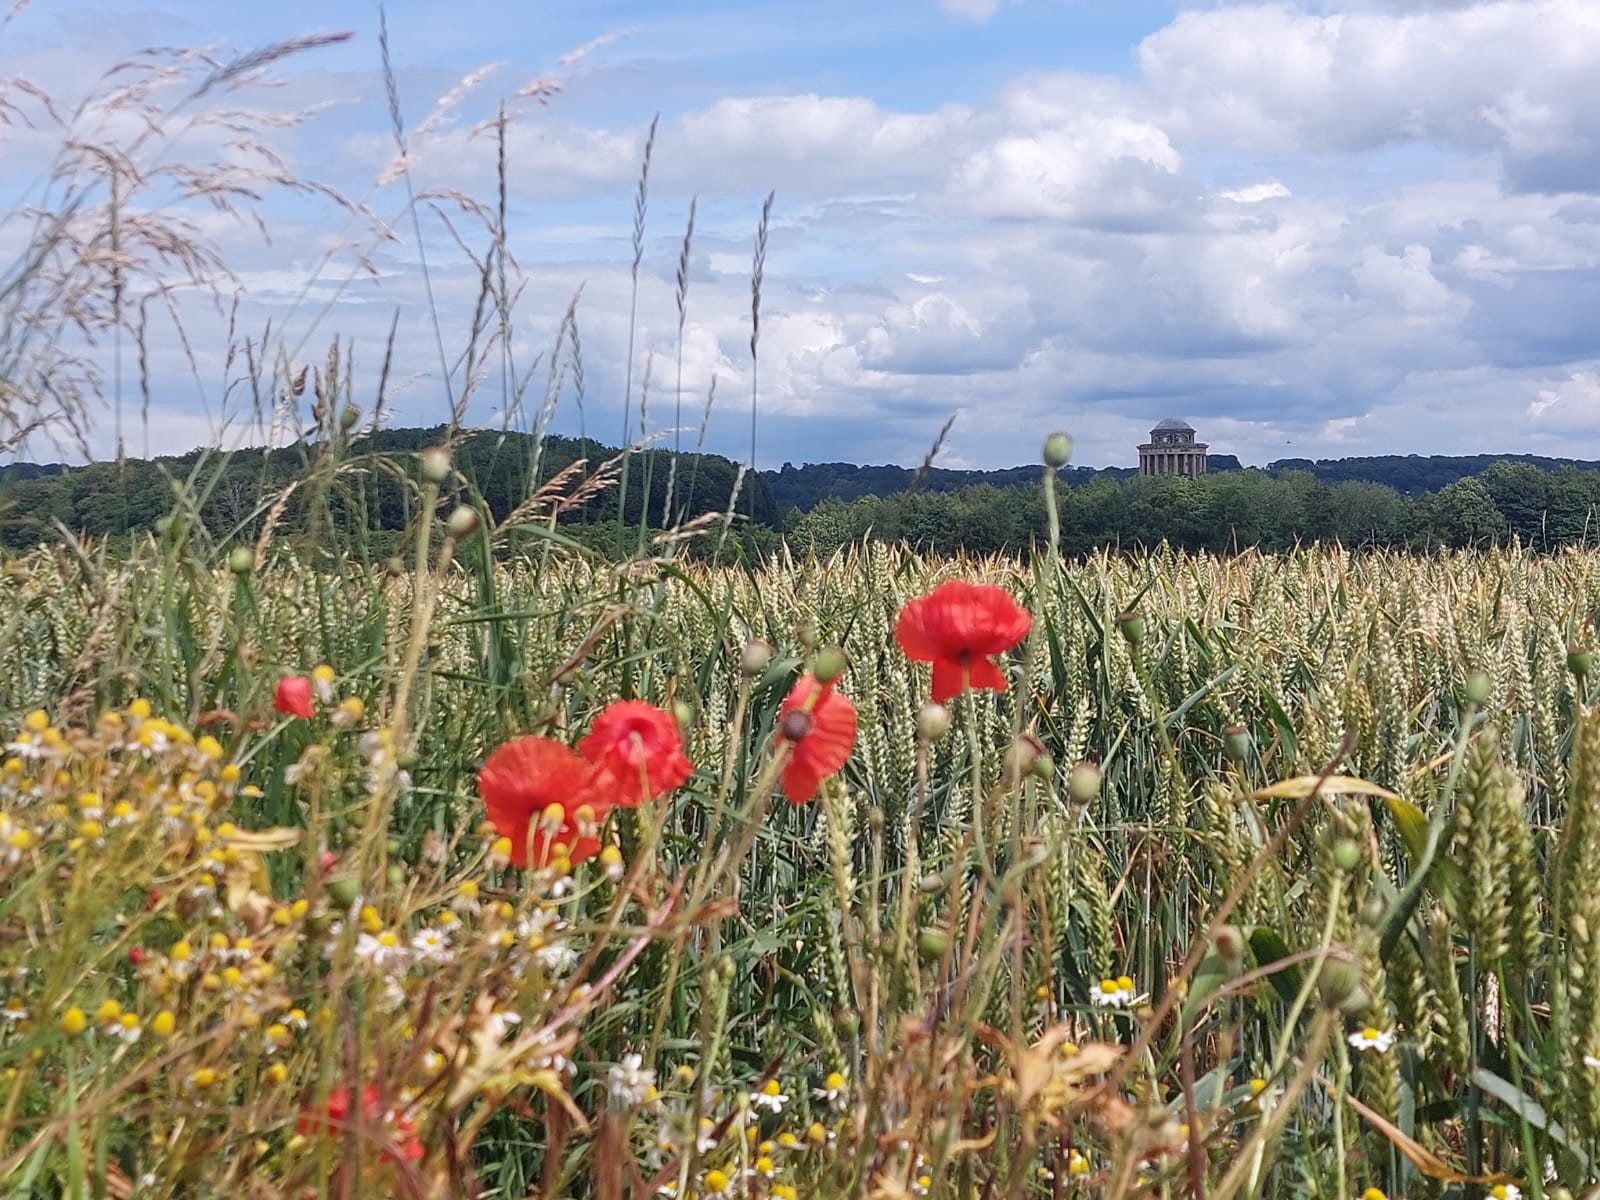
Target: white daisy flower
770 1098
630 1081
1114 993
1372 1039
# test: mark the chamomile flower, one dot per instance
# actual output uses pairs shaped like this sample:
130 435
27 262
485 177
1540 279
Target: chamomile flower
832 1090
432 945
1114 993
1371 1038
1505 1191
770 1098
630 1081
381 950
12 1012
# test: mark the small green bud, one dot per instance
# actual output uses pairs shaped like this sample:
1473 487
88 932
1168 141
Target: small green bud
755 657
806 634
436 464
1236 743
1044 767
1477 688
846 1022
241 560
1339 981
396 875
1131 626
829 665
1347 854
463 522
932 884
1084 782
933 722
344 891
1580 661
349 417
1057 450
392 847
1373 910
933 944
683 714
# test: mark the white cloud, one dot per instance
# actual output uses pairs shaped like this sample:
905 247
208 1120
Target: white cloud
1512 76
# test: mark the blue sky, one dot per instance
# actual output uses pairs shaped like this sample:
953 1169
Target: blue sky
1321 228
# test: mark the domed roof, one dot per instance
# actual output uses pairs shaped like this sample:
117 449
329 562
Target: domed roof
1174 423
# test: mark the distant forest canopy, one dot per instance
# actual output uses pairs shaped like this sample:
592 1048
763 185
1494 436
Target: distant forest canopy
1409 474
1397 501
104 500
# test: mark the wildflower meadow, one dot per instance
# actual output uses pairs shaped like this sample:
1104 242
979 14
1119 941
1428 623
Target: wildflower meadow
495 864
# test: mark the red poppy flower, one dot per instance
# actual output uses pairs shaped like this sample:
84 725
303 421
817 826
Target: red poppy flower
637 751
957 627
523 781
292 696
398 1132
821 737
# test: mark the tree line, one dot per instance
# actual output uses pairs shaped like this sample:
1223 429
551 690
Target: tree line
363 488
1510 501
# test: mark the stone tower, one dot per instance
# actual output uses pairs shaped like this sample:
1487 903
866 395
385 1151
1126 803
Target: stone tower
1172 450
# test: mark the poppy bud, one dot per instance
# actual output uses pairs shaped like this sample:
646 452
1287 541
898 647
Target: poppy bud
328 859
829 666
1057 450
1235 743
1131 626
755 657
436 464
806 634
241 560
1083 783
932 884
1228 942
344 891
795 725
1044 767
463 522
933 944
682 713
846 1022
1477 688
933 722
1373 910
349 415
395 566
1338 981
1579 662
1347 854
1021 755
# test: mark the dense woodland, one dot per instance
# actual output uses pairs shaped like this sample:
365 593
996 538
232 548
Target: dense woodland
1402 502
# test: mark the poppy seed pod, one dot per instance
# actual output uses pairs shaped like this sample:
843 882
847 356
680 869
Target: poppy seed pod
1084 782
755 657
1477 688
829 666
1131 626
1236 743
463 522
1057 450
933 722
436 464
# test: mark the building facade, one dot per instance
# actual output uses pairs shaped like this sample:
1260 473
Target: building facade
1172 450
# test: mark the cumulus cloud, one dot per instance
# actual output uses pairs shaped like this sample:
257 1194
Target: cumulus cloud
1513 77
